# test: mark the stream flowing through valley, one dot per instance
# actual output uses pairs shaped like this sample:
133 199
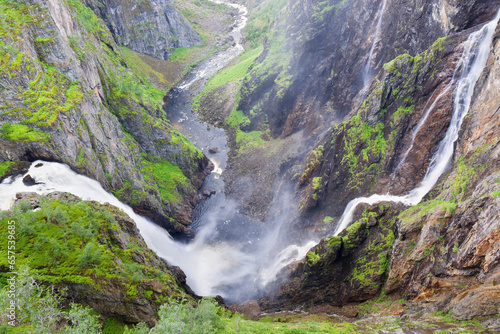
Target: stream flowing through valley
233 255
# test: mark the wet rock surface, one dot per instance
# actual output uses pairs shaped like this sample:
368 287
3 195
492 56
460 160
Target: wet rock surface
351 267
152 27
105 134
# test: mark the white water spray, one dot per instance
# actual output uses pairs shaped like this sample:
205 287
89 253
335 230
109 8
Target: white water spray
471 64
367 70
203 264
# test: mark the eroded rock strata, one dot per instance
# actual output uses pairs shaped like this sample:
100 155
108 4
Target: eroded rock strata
73 95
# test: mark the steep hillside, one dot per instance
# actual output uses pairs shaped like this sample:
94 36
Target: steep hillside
94 254
366 101
71 94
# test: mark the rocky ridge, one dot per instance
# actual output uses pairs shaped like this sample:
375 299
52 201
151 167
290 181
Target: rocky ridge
72 95
307 81
152 27
444 253
112 270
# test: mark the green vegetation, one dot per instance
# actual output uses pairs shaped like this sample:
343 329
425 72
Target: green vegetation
237 119
313 257
233 73
22 133
323 8
464 174
38 309
4 167
50 93
167 176
328 219
262 15
314 159
40 312
417 212
361 140
209 318
87 18
68 242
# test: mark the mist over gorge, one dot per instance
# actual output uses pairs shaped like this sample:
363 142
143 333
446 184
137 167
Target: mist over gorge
294 157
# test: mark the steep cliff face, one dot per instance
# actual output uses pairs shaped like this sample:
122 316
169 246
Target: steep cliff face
364 154
314 66
152 27
452 255
443 253
71 94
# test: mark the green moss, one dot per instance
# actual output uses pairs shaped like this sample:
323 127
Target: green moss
262 15
438 44
314 159
464 174
167 177
312 257
87 17
396 62
362 140
417 212
4 167
316 182
22 133
69 242
334 242
328 220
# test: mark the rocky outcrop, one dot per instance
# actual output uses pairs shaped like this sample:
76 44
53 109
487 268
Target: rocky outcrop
152 27
72 95
113 270
351 267
445 255
364 155
447 248
312 69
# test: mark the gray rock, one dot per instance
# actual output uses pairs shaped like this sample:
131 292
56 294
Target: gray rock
152 27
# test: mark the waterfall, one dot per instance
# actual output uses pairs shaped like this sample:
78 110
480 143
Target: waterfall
205 265
367 70
471 65
422 121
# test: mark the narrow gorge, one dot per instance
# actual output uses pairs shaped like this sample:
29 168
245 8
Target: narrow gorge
255 166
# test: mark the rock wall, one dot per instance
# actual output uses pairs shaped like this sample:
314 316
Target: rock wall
313 63
444 253
72 95
152 27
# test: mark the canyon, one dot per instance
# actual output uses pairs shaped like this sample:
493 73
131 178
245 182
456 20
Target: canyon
292 157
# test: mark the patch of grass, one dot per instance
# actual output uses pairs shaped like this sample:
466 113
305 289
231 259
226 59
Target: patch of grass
22 133
4 167
168 178
75 242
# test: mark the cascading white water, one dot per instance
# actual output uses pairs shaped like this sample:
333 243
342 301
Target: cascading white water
212 265
471 65
422 121
197 259
367 70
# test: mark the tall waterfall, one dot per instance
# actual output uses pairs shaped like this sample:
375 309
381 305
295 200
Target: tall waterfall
367 70
471 65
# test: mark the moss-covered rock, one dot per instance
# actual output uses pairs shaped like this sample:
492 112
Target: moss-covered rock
346 268
71 94
94 251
